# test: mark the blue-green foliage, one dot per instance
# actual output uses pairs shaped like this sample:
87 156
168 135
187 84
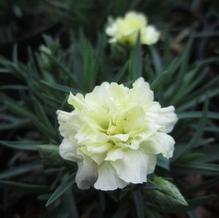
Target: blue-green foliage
41 85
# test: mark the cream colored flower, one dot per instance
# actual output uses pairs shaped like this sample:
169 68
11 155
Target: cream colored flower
114 134
126 30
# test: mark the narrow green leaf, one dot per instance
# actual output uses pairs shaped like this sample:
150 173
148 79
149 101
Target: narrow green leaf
117 78
157 62
17 108
199 95
20 170
211 153
20 145
188 83
24 112
166 75
13 87
13 123
189 157
42 114
158 82
14 54
67 182
59 87
192 168
135 62
184 64
50 155
89 66
196 137
63 68
197 114
24 187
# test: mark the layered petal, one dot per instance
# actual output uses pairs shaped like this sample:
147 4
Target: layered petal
160 143
77 101
126 29
132 120
141 94
67 123
133 168
108 179
150 35
167 119
86 174
136 20
115 154
68 150
114 134
163 118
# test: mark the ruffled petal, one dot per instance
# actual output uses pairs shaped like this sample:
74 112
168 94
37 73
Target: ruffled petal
115 154
164 118
160 143
167 119
119 137
98 148
68 151
149 35
67 122
132 120
108 180
86 174
98 158
136 20
141 94
152 163
77 101
133 167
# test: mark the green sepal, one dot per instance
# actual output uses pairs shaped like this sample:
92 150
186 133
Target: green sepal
165 194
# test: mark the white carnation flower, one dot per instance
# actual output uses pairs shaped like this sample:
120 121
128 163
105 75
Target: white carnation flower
114 134
126 30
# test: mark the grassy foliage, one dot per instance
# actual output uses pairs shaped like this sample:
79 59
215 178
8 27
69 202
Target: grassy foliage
52 73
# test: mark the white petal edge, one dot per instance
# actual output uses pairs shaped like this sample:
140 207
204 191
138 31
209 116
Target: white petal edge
150 35
160 143
133 168
167 119
115 154
141 92
86 174
77 101
108 180
67 150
